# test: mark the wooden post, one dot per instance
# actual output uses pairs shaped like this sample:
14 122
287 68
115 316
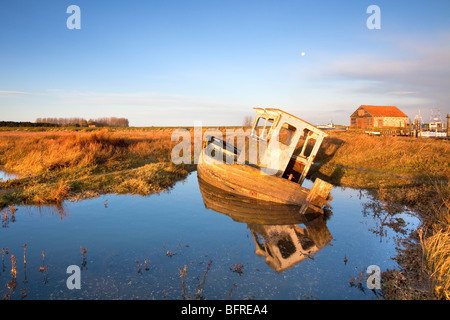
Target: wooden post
419 123
448 125
415 128
319 192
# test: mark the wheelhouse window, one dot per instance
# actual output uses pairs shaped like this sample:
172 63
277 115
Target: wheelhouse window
287 132
262 127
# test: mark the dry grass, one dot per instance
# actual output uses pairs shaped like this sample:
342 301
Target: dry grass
436 247
359 160
57 165
437 253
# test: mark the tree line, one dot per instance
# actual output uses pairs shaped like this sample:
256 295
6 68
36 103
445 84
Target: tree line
81 122
25 124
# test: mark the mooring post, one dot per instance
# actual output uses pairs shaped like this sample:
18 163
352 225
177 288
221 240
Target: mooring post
448 125
415 132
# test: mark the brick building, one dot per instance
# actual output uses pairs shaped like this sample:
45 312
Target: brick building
378 117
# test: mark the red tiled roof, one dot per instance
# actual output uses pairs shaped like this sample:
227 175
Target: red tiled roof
384 111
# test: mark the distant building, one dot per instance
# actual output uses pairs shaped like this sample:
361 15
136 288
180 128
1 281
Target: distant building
378 117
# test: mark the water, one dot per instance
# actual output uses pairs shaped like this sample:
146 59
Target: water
174 229
4 176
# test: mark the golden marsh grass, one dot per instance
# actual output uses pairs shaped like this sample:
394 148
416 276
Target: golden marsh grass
54 166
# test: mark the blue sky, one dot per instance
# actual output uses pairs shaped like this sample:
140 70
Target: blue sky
174 62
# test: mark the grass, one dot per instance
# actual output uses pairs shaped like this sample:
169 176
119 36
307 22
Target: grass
358 160
436 245
57 165
437 250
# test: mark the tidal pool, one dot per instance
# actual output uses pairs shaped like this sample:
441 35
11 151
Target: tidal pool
133 247
4 176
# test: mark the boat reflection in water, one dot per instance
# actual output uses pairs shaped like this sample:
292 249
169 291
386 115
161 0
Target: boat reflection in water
283 234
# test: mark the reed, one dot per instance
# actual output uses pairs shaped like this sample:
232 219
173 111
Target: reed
436 248
12 284
199 291
437 252
183 273
44 268
4 251
25 263
83 256
13 268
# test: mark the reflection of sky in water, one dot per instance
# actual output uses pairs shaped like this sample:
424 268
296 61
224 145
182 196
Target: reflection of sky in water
126 229
7 176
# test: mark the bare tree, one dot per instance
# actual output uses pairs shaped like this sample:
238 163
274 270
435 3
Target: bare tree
248 121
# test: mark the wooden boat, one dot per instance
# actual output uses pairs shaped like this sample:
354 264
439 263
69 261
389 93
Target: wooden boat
282 235
250 210
285 147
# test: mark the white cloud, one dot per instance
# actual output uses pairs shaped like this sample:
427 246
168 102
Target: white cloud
412 72
7 92
422 69
403 92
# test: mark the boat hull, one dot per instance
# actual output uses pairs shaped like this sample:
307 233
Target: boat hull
254 211
250 181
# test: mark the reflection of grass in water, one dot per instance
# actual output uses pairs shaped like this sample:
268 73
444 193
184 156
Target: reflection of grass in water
8 215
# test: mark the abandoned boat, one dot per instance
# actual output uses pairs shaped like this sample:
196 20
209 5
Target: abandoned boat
271 165
281 235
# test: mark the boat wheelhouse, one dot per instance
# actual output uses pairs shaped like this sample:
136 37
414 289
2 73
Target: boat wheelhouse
281 150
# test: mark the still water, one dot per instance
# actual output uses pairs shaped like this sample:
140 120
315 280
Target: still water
135 248
4 176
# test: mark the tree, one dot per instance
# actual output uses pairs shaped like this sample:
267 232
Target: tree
248 121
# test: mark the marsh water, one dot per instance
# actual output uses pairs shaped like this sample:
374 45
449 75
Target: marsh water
134 247
6 176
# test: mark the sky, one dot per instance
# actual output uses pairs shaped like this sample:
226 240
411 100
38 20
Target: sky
181 62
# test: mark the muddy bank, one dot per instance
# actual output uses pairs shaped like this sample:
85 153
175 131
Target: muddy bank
418 278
